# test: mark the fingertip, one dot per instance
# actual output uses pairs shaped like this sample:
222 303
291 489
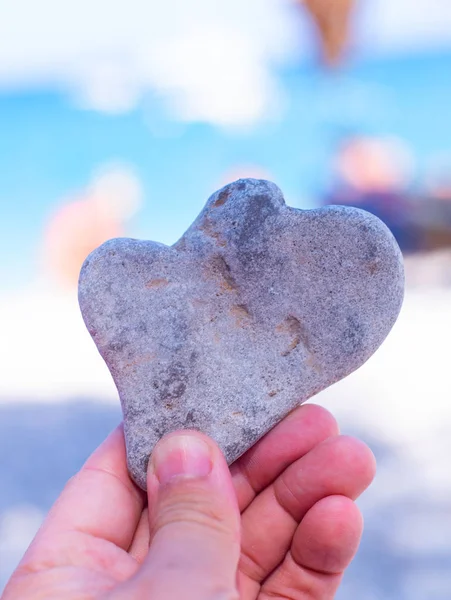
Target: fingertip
362 458
328 537
90 500
111 449
187 453
295 436
319 417
354 457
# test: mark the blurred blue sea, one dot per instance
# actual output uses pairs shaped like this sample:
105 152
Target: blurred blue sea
49 148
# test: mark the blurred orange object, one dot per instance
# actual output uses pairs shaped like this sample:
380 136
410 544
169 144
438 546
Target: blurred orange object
86 221
73 232
332 18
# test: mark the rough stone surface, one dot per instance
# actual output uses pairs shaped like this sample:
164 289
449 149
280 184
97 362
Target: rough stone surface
255 309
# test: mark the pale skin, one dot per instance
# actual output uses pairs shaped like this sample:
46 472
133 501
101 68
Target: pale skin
280 524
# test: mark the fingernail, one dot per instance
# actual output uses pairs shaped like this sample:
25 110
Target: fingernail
180 455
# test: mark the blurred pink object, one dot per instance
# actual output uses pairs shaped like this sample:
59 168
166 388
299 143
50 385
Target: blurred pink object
81 224
374 165
375 174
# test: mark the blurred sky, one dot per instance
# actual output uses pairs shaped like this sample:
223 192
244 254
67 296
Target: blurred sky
186 94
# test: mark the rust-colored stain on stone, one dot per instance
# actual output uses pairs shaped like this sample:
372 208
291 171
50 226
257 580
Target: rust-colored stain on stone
199 303
221 269
140 360
226 286
373 267
292 326
157 283
240 314
207 227
313 363
222 197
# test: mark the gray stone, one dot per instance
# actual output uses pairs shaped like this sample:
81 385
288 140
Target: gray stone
255 309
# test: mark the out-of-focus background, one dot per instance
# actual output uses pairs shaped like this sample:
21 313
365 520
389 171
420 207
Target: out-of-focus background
121 118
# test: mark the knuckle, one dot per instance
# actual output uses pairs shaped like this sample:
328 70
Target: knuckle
251 566
190 504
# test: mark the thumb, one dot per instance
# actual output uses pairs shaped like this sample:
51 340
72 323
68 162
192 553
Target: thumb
194 521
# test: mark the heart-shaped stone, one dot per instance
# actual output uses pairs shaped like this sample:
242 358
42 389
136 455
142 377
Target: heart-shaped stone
255 309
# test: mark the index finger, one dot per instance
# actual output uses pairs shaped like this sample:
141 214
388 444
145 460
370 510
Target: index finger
100 500
292 438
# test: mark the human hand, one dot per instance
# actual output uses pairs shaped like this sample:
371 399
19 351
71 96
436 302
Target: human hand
281 524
